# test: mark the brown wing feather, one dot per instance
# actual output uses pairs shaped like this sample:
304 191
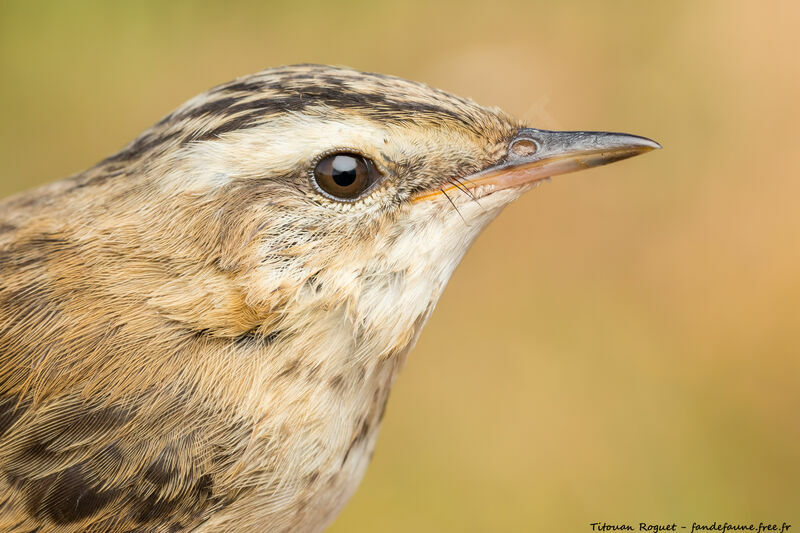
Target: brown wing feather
91 437
75 465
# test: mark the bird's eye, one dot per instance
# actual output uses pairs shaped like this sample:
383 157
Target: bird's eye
345 176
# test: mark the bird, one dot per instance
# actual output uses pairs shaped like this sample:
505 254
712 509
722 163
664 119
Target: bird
200 332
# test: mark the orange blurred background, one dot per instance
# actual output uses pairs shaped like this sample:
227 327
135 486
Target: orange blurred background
622 344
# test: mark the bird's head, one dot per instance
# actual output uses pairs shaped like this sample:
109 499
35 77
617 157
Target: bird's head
317 195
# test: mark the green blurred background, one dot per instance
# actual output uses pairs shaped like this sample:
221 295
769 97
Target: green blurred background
621 344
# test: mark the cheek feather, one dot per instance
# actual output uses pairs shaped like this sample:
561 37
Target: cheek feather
410 265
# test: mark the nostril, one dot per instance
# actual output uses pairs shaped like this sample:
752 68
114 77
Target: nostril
523 147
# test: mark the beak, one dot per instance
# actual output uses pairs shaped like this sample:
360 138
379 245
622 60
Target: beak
534 155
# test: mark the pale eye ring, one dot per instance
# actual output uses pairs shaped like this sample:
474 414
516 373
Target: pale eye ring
344 176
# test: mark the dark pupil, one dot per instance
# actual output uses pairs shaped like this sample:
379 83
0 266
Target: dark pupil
344 170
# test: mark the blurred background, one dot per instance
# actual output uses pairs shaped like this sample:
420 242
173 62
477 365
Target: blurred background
622 344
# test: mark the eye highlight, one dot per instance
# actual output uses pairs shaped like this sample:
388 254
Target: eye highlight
345 176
